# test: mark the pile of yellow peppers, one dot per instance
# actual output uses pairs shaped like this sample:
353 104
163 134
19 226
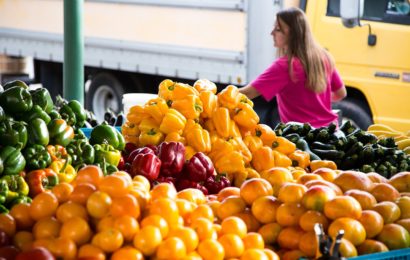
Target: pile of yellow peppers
224 126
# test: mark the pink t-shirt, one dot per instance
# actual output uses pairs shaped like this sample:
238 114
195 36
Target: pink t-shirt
295 101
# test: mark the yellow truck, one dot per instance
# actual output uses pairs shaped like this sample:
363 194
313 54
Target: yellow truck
131 45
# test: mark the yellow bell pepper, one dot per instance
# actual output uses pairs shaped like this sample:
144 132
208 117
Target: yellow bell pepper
241 147
65 172
136 114
147 124
199 139
209 125
252 142
190 125
173 121
165 89
244 99
234 130
131 139
316 164
190 106
265 133
281 160
252 173
222 121
205 85
230 163
152 136
220 148
229 97
245 116
263 159
300 159
189 152
182 90
283 145
156 108
130 128
239 178
209 103
175 137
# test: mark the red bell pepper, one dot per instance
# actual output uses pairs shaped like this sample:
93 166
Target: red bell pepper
199 167
216 183
183 184
41 180
147 165
172 156
142 150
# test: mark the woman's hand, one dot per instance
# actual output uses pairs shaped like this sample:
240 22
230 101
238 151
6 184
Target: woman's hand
249 91
339 94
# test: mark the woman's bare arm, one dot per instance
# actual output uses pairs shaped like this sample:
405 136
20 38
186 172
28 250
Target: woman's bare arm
339 94
249 91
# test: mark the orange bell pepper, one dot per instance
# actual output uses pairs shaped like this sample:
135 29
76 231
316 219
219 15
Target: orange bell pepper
209 125
156 108
199 139
244 99
234 130
152 136
189 152
300 159
263 159
220 147
229 97
241 147
265 133
136 114
130 128
182 90
281 160
165 89
222 121
190 106
205 85
230 163
147 124
173 121
57 152
209 103
175 137
245 116
316 164
252 142
283 145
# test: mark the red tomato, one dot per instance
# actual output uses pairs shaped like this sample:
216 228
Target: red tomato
8 252
38 253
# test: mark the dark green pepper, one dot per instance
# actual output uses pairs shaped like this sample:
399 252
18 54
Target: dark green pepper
3 209
54 114
105 133
38 132
4 190
18 200
107 153
36 112
2 115
107 168
37 157
68 115
17 187
15 83
81 152
13 133
60 132
42 98
79 111
16 100
13 160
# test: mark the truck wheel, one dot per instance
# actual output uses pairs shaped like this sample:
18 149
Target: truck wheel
355 111
105 91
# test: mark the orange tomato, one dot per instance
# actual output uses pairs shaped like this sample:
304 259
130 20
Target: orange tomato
230 206
210 249
308 220
289 214
253 240
89 174
76 229
204 229
254 254
334 187
91 251
404 205
163 190
372 222
115 185
270 232
171 248
384 192
232 244
108 240
98 204
252 189
366 200
277 176
69 210
127 225
326 173
143 197
289 237
62 191
348 180
201 211
21 215
316 197
188 237
354 230
271 254
308 244
228 191
233 225
252 224
347 249
128 253
48 227
264 209
81 193
342 206
63 248
144 181
370 246
185 207
147 239
302 179
125 205
106 222
167 209
394 236
193 195
43 205
291 192
157 221
23 240
388 210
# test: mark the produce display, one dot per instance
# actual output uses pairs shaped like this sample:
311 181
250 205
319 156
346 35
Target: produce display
193 175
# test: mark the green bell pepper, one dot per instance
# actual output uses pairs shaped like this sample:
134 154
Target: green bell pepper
107 153
81 152
3 209
16 100
60 132
17 187
107 168
2 115
13 160
15 83
38 132
12 133
36 112
74 113
105 133
68 115
18 200
42 98
37 157
54 114
4 190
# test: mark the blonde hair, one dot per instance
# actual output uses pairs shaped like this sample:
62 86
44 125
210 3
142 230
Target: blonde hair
316 61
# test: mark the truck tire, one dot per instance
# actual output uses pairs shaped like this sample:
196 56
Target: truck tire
105 91
355 111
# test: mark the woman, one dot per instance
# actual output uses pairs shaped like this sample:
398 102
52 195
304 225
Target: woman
303 79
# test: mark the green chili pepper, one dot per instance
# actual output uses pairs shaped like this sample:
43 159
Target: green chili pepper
79 111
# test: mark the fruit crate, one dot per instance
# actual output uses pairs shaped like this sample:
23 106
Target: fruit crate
400 254
87 131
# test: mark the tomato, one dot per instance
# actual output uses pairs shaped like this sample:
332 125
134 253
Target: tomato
21 213
115 185
108 240
7 224
125 205
69 210
9 252
89 174
98 204
89 251
23 240
48 227
128 253
4 239
38 253
63 248
77 229
62 191
82 192
43 205
127 225
148 239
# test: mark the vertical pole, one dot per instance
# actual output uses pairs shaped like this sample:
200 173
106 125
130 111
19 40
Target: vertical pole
73 75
